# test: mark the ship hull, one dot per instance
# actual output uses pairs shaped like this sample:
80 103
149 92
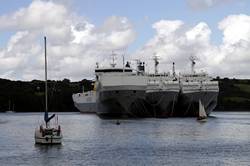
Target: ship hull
122 104
86 107
188 103
85 102
163 103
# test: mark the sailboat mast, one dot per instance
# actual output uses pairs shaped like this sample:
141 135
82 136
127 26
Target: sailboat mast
46 85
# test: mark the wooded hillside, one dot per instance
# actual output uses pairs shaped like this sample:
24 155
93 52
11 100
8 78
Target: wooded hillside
22 96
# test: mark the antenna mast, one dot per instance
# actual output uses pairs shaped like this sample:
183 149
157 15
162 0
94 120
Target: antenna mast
113 56
123 59
192 59
174 69
46 84
156 60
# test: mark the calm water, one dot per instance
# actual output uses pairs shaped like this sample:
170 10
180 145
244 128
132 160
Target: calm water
88 140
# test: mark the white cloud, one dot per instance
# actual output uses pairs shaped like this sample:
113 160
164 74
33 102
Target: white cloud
173 41
235 49
165 27
74 44
235 28
200 32
204 4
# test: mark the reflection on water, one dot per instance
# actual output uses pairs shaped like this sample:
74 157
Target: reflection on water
88 140
3 121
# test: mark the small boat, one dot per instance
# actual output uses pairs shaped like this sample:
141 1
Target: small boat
118 122
202 113
48 134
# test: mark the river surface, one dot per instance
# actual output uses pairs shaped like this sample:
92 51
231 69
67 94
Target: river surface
88 140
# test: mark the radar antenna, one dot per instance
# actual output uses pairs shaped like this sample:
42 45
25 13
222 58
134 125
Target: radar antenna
140 66
193 59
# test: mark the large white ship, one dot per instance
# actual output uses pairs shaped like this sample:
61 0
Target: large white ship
127 92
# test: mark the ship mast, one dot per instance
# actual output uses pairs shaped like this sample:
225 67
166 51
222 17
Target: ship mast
174 69
192 59
123 62
46 84
156 61
113 56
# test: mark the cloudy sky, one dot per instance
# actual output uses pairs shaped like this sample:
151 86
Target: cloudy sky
81 33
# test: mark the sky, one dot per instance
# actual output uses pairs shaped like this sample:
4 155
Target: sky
81 33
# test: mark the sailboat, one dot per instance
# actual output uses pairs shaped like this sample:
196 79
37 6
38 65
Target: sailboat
202 113
48 134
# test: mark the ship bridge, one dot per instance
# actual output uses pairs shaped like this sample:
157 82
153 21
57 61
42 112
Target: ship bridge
112 70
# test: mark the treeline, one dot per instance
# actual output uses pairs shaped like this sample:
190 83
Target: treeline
234 94
22 96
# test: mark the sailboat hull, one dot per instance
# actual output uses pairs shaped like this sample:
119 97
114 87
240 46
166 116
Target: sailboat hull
201 119
53 138
48 140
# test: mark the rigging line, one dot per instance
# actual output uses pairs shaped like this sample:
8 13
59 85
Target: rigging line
145 108
172 111
190 103
129 112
